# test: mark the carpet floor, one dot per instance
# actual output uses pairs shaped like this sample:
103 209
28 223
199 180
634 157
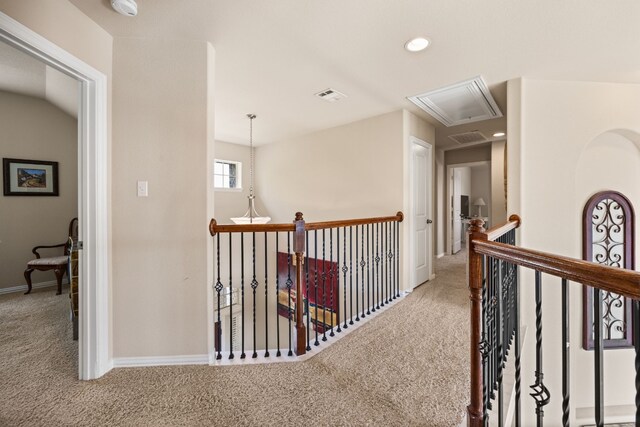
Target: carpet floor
406 367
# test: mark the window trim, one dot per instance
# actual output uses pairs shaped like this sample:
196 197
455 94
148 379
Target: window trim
238 187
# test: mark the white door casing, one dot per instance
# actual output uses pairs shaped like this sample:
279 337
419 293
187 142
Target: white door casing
421 212
456 210
93 339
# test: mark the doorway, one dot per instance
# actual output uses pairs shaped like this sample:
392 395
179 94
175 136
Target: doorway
421 212
93 299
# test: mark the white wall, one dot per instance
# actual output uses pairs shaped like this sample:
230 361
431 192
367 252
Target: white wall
161 247
498 194
567 141
481 187
34 129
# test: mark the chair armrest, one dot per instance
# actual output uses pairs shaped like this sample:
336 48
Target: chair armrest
35 250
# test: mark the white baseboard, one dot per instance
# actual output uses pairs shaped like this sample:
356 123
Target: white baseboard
136 362
440 255
23 288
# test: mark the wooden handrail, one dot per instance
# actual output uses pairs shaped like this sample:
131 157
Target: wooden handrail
214 227
500 230
610 279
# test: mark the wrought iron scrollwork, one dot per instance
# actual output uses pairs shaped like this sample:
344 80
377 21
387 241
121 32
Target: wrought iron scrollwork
608 239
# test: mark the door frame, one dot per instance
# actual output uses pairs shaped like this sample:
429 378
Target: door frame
449 190
414 140
93 298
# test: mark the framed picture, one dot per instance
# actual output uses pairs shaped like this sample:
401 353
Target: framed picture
29 177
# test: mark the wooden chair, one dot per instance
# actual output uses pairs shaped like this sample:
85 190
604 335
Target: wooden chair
59 264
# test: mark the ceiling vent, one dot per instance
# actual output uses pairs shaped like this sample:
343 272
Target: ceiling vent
331 95
465 102
468 137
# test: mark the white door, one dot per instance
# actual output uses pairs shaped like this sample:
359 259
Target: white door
455 211
421 211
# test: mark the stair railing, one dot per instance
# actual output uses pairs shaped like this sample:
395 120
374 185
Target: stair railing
494 259
344 270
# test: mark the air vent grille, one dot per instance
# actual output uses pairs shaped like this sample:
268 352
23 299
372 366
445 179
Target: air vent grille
331 95
468 137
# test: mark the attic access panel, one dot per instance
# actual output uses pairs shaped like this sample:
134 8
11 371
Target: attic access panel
465 102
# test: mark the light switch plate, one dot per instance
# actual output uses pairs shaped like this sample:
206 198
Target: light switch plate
143 188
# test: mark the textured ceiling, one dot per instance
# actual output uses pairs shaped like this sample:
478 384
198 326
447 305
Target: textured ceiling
272 56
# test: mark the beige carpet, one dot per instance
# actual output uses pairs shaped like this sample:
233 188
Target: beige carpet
405 367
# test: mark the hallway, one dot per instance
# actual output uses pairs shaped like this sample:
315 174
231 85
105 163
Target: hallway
408 366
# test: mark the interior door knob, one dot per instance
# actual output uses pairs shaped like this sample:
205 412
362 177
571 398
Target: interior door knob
429 221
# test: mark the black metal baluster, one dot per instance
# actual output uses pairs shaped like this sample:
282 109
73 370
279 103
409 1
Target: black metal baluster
254 286
306 270
500 335
565 353
516 337
351 274
397 257
598 357
493 347
315 243
242 355
278 352
636 344
362 265
345 269
266 296
484 346
377 270
540 393
218 288
386 263
289 285
230 296
324 287
368 274
331 278
337 271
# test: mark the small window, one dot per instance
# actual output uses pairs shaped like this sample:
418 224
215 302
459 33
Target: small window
227 175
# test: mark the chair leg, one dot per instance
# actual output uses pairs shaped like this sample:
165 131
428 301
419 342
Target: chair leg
59 273
27 276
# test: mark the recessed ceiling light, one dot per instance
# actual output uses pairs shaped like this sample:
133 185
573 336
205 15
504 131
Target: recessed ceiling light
499 134
417 44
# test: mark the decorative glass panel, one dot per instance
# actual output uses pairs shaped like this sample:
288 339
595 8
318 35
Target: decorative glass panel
608 222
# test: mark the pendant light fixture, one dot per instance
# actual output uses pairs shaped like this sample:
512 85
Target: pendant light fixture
252 216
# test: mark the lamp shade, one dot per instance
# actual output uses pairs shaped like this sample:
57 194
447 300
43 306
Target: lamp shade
479 202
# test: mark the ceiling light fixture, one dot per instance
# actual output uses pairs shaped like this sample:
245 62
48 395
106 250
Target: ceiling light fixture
125 7
499 134
252 216
416 45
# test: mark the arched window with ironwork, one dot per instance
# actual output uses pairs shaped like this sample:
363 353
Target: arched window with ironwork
608 238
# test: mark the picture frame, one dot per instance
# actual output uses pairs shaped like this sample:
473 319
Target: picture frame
23 177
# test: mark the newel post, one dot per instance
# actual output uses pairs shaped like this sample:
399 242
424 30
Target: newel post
475 410
298 248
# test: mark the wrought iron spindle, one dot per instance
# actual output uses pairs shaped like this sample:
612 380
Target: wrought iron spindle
484 346
636 344
565 353
331 276
378 266
324 287
357 302
230 296
254 286
362 265
598 357
337 276
397 257
289 284
368 274
500 318
492 331
315 254
218 288
306 272
345 269
540 393
386 262
266 296
351 274
278 352
242 354
516 338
